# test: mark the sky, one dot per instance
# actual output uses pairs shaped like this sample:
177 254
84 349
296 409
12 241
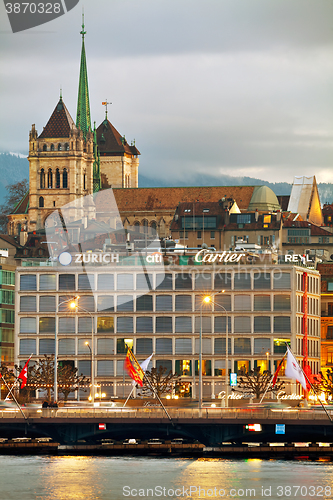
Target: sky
236 87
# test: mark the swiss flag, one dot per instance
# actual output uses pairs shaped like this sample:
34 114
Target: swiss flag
24 374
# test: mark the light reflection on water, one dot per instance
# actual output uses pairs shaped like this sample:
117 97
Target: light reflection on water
103 478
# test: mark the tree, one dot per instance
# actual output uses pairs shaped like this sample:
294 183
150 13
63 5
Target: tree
15 194
324 383
41 376
256 382
161 381
7 375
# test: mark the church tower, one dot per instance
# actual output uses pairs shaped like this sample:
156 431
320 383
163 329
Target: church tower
63 159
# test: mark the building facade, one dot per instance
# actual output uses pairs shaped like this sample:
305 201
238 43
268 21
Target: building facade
158 309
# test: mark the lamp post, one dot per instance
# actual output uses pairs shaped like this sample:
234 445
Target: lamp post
55 387
207 299
75 305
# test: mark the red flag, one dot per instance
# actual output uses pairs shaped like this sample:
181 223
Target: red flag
277 372
133 368
24 374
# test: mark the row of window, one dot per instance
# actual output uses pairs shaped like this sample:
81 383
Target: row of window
312 305
49 180
165 303
313 325
7 316
158 324
7 277
160 281
312 283
7 296
59 147
165 346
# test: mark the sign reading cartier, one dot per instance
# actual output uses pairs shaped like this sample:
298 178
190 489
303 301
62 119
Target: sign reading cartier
211 257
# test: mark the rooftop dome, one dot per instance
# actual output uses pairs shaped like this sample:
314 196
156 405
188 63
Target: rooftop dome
264 199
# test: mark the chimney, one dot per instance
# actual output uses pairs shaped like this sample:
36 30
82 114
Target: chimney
256 215
278 216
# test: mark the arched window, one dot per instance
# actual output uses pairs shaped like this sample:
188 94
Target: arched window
59 147
49 179
65 178
57 183
45 147
52 147
84 181
66 146
42 179
145 226
41 202
137 223
153 224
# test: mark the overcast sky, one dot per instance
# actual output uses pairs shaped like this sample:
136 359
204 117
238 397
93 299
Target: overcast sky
239 87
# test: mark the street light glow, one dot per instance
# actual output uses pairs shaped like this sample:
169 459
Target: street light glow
207 299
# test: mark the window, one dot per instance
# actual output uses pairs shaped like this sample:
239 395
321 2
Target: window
183 367
220 345
212 235
85 282
222 281
59 147
203 281
84 367
280 345
242 324
47 282
28 282
281 302
52 147
164 282
262 324
242 281
163 302
66 325
242 303
164 363
27 346
144 346
206 324
144 324
183 281
46 346
163 324
105 282
42 179
281 281
144 303
183 324
125 325
86 302
104 368
242 346
105 303
206 345
163 346
47 325
262 303
66 347
125 281
220 323
105 324
223 300
66 281
57 178
47 303
144 282
262 345
105 346
28 303
183 346
28 325
49 178
85 325
262 281
124 303
183 303
122 346
281 324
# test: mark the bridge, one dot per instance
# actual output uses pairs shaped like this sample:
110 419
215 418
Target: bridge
210 426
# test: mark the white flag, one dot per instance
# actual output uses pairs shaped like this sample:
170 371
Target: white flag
293 370
145 363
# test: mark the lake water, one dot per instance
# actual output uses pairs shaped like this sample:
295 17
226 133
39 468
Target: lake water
118 478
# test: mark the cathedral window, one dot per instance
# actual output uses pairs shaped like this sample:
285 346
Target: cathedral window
57 185
66 146
42 179
49 179
59 147
45 147
65 178
52 147
145 226
41 202
153 224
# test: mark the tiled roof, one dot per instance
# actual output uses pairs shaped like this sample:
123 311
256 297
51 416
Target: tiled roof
328 210
141 199
315 230
284 200
109 141
23 205
60 123
10 240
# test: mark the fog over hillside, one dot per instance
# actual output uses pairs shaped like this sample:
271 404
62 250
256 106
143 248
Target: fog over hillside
14 167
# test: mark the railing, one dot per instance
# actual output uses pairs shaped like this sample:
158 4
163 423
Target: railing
158 413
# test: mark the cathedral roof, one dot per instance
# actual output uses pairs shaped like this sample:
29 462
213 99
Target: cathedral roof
110 142
141 199
83 107
60 123
264 199
22 206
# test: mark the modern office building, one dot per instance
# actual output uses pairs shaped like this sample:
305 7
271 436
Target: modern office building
136 301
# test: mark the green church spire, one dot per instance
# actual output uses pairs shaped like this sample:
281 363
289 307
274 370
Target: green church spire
83 108
97 166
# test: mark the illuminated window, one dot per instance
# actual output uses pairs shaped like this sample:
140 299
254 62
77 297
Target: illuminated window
105 325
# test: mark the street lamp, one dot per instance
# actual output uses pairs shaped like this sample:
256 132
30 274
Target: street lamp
91 355
74 305
55 387
207 299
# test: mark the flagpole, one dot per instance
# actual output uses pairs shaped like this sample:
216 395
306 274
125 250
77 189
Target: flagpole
312 387
130 394
18 377
272 378
19 407
157 396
